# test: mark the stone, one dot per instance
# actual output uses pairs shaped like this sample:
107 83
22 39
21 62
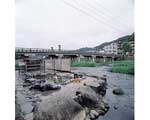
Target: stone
65 109
94 113
84 84
88 97
86 110
45 87
28 75
30 80
92 116
29 116
115 107
48 86
18 113
27 84
118 91
104 77
100 88
87 119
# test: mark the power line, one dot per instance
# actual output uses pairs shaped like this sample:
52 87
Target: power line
85 12
106 14
99 15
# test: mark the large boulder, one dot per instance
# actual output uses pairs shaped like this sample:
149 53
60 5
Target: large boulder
118 91
100 88
87 97
62 109
18 112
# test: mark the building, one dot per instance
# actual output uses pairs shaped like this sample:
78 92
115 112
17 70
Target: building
120 51
132 47
101 51
112 48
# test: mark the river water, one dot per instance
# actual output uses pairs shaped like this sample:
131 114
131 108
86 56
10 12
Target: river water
121 107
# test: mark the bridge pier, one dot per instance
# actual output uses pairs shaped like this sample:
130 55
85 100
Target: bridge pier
60 56
79 57
104 59
113 59
93 58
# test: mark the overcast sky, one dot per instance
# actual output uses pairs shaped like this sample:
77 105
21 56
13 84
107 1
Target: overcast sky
73 24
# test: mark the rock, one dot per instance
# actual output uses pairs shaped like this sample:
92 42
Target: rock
103 108
115 107
84 84
88 100
36 86
100 88
118 91
45 87
104 77
66 81
65 109
87 97
28 75
18 112
94 113
92 116
40 81
29 116
30 80
86 110
27 84
87 119
48 86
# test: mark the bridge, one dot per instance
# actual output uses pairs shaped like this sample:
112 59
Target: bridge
66 54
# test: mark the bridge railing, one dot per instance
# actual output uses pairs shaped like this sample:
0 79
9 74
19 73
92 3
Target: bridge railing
49 51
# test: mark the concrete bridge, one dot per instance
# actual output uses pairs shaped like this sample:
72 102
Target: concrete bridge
73 55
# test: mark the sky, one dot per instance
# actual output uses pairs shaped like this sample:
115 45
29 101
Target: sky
72 23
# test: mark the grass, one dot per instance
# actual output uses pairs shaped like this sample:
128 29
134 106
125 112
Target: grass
126 66
83 64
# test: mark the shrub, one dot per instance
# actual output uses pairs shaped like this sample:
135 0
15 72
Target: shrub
83 64
126 66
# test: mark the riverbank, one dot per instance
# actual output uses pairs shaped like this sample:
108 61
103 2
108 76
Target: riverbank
126 66
122 66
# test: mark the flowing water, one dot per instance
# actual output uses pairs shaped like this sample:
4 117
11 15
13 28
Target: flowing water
121 107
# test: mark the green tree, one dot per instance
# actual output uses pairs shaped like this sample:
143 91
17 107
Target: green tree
126 47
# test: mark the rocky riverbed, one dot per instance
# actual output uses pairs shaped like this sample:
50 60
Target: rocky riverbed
60 96
76 100
121 106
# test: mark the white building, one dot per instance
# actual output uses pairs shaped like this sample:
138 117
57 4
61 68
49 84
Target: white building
112 48
101 51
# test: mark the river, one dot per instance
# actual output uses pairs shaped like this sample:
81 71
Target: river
121 107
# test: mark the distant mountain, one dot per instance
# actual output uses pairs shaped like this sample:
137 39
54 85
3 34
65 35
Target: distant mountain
121 39
85 49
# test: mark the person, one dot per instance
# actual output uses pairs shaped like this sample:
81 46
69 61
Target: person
55 78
